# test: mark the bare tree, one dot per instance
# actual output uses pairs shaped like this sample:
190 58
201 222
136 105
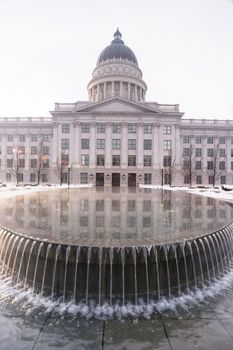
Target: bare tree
216 171
189 166
62 166
16 163
169 169
41 162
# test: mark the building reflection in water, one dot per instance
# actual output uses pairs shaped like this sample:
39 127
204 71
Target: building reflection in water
119 218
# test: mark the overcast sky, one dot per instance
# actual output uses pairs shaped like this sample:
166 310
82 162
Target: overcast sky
50 47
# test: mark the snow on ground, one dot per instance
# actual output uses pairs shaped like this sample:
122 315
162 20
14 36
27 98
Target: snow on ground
12 190
213 192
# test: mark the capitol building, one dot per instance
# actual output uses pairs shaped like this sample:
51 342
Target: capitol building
117 137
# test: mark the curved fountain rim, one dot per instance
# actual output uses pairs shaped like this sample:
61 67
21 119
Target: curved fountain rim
149 246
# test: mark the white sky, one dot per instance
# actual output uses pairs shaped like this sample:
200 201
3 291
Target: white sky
50 47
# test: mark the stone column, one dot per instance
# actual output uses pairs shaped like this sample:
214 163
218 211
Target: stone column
92 144
124 146
54 152
98 93
76 150
105 90
129 91
156 146
112 88
121 90
108 146
140 146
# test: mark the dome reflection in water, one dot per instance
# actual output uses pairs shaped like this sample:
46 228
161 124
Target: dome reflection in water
84 244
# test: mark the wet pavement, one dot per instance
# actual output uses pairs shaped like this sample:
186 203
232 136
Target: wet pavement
207 325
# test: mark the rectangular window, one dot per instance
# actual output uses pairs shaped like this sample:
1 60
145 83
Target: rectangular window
10 138
9 150
167 144
8 177
116 160
22 138
100 160
198 152
210 165
21 150
210 152
147 179
46 163
9 163
65 128
232 140
198 139
147 161
222 140
64 159
222 152
198 165
231 152
33 163
221 165
100 128
32 177
186 179
231 165
46 150
198 179
131 144
185 139
167 129
186 152
0 150
167 161
147 144
65 143
20 177
116 144
83 178
223 180
85 159
210 140
34 138
21 163
131 128
85 128
100 143
211 180
116 128
131 160
33 150
85 143
45 138
147 129
44 178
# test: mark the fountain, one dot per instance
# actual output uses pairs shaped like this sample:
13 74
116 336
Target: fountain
83 245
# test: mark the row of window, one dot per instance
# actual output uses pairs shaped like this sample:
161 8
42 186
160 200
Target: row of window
33 177
116 128
116 144
221 165
10 163
21 150
22 138
210 140
210 179
210 152
116 160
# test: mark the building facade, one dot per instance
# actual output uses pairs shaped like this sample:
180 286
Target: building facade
116 137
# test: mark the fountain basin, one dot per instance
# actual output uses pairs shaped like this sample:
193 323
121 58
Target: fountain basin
104 262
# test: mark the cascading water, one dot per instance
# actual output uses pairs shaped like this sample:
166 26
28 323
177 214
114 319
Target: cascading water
133 264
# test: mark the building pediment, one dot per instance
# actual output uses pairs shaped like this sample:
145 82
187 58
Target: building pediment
117 104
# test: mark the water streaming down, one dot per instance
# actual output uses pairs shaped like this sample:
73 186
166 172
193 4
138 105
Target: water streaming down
55 268
142 260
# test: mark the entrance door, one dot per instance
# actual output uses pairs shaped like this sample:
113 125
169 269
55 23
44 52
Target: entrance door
99 179
132 180
116 180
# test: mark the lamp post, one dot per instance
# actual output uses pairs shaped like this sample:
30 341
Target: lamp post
68 174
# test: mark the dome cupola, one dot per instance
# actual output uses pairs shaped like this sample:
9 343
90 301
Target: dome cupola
117 74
